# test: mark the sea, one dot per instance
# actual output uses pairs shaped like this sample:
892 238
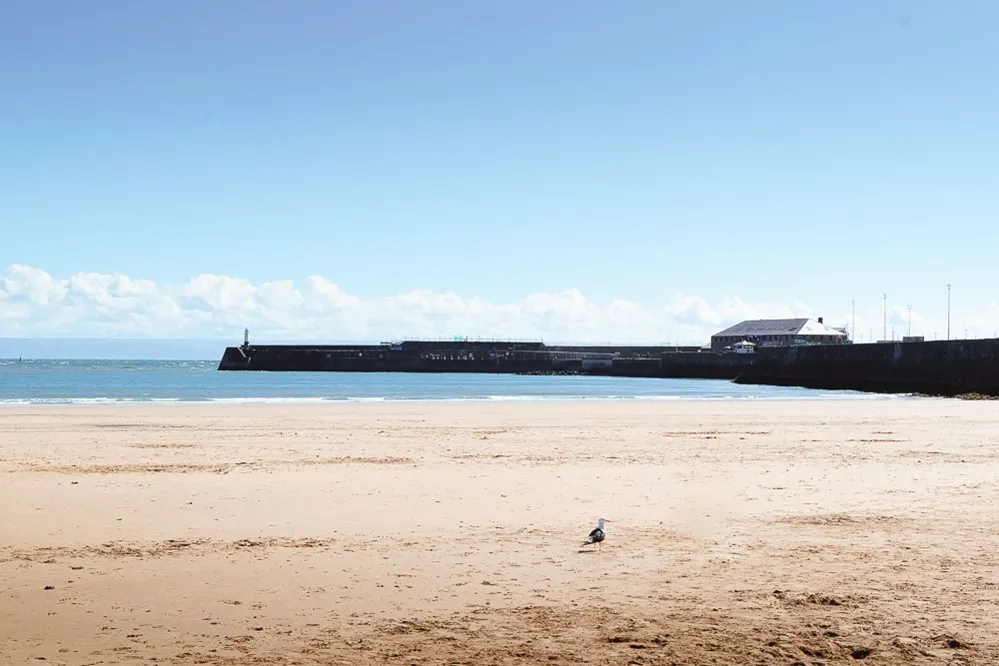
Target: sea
80 382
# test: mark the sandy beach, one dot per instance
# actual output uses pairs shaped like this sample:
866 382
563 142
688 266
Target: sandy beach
807 532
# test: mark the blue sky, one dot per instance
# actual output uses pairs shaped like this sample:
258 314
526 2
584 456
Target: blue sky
792 156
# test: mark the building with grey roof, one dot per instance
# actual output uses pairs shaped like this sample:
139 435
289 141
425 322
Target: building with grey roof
778 333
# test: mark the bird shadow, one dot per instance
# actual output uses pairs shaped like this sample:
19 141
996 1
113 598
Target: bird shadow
587 551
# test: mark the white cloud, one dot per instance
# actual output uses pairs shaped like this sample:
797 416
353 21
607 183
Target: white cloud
35 303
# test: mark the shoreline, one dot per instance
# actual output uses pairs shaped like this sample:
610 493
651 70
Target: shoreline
814 396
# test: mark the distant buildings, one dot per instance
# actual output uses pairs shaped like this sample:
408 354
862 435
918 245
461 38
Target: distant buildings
754 333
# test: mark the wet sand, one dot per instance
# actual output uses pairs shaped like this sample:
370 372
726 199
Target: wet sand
825 532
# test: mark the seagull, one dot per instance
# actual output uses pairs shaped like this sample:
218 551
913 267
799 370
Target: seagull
598 534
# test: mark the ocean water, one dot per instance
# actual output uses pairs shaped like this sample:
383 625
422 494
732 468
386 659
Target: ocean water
144 382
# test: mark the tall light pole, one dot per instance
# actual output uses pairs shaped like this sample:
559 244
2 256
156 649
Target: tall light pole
910 320
948 311
884 335
853 319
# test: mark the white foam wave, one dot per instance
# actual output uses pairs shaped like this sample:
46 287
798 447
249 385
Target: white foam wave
266 401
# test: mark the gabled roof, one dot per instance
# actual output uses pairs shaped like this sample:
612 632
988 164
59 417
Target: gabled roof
756 327
812 327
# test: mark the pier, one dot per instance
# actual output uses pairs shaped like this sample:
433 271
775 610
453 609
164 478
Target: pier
943 368
487 357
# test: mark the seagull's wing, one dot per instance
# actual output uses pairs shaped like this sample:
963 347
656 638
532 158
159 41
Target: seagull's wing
596 535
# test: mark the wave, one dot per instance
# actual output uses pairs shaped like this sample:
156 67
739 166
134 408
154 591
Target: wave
26 402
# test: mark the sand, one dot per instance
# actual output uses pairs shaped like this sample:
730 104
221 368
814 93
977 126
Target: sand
809 532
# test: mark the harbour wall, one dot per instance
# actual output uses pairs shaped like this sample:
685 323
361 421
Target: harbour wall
942 368
503 357
945 368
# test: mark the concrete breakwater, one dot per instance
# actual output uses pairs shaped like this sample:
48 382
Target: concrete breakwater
944 368
941 368
488 357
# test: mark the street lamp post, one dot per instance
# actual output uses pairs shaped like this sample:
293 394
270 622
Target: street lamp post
948 311
884 334
853 319
910 320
